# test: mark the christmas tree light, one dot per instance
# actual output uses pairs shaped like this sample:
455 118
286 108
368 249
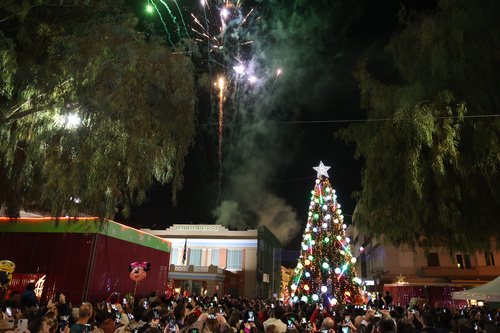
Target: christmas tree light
325 269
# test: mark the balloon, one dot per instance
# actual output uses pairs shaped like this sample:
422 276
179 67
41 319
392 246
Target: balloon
6 269
138 270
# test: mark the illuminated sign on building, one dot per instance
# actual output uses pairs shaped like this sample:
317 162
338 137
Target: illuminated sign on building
197 228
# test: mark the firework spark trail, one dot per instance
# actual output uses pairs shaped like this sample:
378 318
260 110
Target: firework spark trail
205 33
223 15
221 126
278 72
250 12
182 18
164 25
173 19
197 21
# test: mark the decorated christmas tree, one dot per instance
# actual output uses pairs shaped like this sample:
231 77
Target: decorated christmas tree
325 268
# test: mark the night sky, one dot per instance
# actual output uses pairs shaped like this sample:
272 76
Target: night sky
270 146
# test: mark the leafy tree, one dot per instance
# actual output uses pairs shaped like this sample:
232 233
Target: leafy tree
91 111
431 144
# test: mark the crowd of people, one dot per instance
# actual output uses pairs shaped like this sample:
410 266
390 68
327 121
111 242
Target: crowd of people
177 314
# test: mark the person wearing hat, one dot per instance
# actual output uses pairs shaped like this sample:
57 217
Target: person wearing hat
465 326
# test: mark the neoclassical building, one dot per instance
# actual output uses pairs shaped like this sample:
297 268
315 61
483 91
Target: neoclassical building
208 259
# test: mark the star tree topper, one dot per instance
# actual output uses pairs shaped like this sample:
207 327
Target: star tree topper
322 169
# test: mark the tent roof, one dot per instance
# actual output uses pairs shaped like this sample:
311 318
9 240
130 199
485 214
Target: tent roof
84 225
487 292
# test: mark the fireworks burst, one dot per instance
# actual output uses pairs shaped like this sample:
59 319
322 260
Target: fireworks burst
219 28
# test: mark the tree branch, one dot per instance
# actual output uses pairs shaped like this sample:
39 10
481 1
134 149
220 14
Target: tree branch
20 114
11 115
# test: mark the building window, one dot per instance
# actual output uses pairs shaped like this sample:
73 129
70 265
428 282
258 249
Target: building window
173 256
234 259
369 266
490 259
467 262
378 262
460 261
215 257
433 259
364 274
195 257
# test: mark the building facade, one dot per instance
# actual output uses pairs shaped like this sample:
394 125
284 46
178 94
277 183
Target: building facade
211 259
380 264
286 280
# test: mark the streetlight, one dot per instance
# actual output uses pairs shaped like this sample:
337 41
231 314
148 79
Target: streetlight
72 121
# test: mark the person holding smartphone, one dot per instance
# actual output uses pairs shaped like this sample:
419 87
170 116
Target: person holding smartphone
152 320
277 313
180 314
250 324
63 322
350 325
172 326
84 315
326 314
63 307
121 315
362 324
212 321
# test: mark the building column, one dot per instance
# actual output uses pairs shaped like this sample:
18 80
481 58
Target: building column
210 287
